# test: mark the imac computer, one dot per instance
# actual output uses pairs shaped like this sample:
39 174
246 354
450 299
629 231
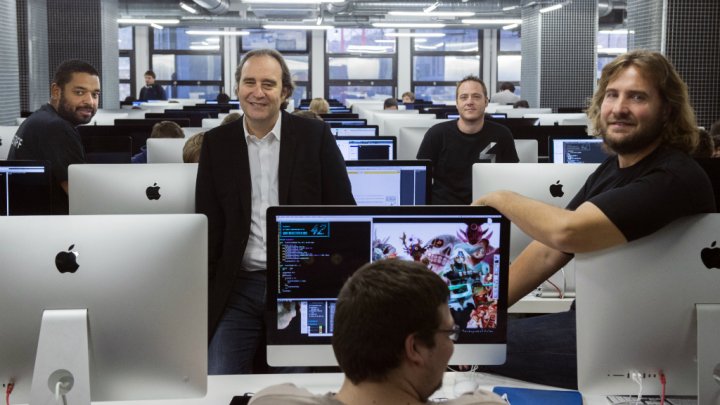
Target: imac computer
153 188
390 182
355 130
316 248
577 150
25 187
107 149
165 150
652 306
103 308
527 150
367 147
409 140
552 184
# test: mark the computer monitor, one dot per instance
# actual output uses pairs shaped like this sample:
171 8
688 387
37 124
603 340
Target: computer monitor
346 122
107 149
527 150
25 187
638 310
577 150
129 323
315 249
153 188
552 184
6 136
390 182
409 140
367 147
355 130
165 150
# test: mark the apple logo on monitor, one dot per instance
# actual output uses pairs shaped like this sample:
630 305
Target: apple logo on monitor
556 189
153 192
66 262
711 256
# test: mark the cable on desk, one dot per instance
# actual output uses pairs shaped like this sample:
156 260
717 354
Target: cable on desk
637 377
8 391
663 382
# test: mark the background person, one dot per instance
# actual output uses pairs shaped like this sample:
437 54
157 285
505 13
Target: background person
506 95
393 338
319 106
267 158
390 104
408 97
50 133
163 129
454 146
191 150
151 90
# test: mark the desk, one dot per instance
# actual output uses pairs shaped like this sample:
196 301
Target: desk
222 388
530 304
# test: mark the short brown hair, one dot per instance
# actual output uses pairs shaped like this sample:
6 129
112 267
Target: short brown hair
307 114
233 116
409 94
379 306
471 78
150 73
680 129
287 82
319 106
167 129
191 150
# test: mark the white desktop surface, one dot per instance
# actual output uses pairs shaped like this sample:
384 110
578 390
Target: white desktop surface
530 304
222 388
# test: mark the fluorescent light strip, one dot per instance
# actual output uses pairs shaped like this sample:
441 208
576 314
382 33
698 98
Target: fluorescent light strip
218 33
510 27
510 8
297 27
156 26
551 8
147 21
432 13
188 8
407 25
416 34
622 31
368 48
492 21
205 47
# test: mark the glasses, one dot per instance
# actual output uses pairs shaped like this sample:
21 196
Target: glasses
453 333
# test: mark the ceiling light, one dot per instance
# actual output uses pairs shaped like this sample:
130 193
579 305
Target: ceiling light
368 48
297 27
432 13
217 33
319 20
622 31
551 8
492 21
147 21
415 34
510 27
156 26
407 25
293 1
510 8
205 47
188 8
431 7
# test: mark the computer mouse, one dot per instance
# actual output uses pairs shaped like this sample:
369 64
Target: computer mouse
464 385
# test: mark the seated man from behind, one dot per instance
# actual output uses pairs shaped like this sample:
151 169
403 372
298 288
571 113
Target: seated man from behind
393 339
163 129
506 95
390 104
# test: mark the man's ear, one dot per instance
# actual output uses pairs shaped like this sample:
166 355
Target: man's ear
414 350
55 92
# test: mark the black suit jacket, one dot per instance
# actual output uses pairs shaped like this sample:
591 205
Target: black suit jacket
311 172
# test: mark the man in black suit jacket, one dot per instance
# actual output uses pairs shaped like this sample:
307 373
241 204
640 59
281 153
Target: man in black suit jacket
267 158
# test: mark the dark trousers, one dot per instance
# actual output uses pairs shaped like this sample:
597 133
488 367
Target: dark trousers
541 349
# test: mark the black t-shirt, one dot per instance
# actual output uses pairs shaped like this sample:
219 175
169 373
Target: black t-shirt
453 153
47 136
640 199
152 92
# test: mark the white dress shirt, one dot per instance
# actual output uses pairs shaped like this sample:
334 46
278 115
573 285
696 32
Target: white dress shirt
264 158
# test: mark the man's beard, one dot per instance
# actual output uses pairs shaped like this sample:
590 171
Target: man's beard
69 114
635 142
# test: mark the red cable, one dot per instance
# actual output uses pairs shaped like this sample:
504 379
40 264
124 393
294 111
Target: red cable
8 391
663 382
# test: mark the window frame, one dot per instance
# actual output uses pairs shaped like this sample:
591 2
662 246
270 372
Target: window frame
392 83
442 83
506 53
129 53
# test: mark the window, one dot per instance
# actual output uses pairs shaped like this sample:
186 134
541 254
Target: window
187 66
295 48
441 60
509 58
360 63
126 63
610 43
